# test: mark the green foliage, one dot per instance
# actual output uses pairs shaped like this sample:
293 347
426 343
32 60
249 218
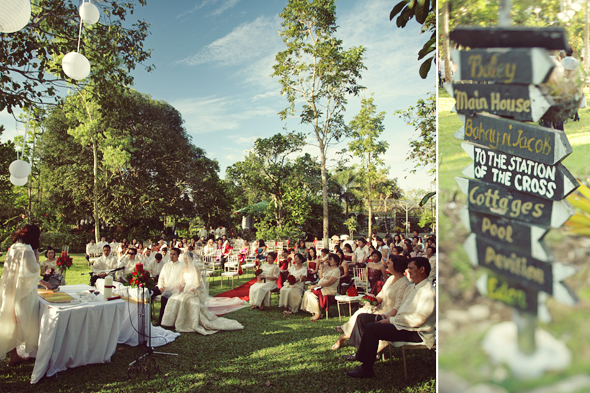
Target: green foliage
352 225
423 118
113 46
424 11
316 75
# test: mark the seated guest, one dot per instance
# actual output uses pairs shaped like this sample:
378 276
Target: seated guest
382 248
201 242
265 282
324 255
147 257
103 264
128 262
291 293
314 299
103 242
91 251
165 255
397 250
391 295
376 272
413 321
49 266
284 263
210 249
260 249
344 271
430 255
313 265
300 247
348 253
360 254
169 280
155 267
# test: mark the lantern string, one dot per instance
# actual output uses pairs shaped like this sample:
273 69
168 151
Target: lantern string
80 31
22 156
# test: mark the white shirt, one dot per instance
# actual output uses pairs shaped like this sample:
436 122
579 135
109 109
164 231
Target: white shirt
361 254
128 263
155 268
171 275
91 249
203 233
417 311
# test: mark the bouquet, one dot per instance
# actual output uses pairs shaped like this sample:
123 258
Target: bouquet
258 272
352 292
370 300
64 262
140 279
292 280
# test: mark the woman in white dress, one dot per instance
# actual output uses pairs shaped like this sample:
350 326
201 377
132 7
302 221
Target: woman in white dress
389 298
187 311
260 292
329 279
48 264
291 294
19 302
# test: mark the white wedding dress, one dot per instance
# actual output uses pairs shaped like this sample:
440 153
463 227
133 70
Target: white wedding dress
187 310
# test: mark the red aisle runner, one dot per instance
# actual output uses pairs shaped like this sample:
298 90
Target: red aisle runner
243 291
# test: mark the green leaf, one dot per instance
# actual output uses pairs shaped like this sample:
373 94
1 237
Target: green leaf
397 9
425 67
427 198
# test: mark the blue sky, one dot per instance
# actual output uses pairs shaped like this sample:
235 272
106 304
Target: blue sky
213 63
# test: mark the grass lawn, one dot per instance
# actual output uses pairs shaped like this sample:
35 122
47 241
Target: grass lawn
272 354
462 353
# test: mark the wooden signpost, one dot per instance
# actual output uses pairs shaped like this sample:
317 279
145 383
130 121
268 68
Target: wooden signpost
546 181
520 102
526 66
524 140
517 186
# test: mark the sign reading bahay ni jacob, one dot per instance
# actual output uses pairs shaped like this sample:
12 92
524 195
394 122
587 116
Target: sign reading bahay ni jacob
521 185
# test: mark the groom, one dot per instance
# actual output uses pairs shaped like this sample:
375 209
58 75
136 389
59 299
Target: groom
170 280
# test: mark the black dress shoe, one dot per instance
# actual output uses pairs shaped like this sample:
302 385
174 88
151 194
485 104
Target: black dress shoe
350 358
360 372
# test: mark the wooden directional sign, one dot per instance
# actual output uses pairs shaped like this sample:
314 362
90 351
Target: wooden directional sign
520 102
526 66
500 201
553 38
546 181
511 233
508 292
524 140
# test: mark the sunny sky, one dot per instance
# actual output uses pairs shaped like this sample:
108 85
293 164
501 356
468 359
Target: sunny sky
214 59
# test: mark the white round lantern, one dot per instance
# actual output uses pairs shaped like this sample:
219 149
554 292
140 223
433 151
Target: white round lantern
89 13
76 66
14 15
18 181
19 169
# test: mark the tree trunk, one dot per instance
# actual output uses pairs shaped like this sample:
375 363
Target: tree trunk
370 229
446 44
95 189
324 195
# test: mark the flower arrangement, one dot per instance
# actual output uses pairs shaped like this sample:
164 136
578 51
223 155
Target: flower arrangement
140 279
370 300
64 262
352 292
258 272
291 279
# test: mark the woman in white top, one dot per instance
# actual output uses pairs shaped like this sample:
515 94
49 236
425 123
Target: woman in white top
49 264
260 291
313 299
389 298
210 248
291 294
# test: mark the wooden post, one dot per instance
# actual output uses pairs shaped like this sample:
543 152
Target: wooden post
504 19
446 44
526 324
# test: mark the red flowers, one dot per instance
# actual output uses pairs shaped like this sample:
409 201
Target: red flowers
140 279
352 292
64 262
292 280
370 299
258 272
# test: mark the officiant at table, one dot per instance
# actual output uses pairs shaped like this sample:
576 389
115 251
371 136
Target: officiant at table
19 303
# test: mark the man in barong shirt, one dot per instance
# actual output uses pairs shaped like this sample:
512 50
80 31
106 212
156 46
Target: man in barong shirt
170 280
103 264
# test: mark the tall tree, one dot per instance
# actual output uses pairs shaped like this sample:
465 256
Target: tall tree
316 70
366 128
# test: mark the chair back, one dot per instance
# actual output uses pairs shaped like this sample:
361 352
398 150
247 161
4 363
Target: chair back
361 278
280 246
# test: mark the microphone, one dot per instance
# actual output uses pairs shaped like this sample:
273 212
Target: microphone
117 269
85 273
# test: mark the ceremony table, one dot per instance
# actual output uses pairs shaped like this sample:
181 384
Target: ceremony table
72 335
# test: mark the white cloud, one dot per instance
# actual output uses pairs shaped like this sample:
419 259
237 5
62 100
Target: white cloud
224 7
243 44
196 8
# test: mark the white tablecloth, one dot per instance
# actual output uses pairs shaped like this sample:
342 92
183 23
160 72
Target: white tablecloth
76 335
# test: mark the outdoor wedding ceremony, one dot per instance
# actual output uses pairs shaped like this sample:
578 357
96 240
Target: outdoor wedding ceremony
218 195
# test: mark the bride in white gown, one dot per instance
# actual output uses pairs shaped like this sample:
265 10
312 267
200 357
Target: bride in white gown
187 308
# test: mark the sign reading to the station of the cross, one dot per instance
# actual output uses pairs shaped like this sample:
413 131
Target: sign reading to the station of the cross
509 233
525 66
546 181
518 267
553 38
530 141
520 102
508 292
498 200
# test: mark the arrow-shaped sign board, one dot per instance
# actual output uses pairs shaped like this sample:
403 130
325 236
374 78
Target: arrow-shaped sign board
511 233
546 181
525 66
500 201
520 102
524 140
523 269
553 38
510 293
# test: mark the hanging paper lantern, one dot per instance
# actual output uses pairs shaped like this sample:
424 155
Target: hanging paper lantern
76 66
19 169
18 181
89 13
14 15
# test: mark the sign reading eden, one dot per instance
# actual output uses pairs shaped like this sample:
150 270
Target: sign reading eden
526 66
497 200
521 102
511 233
547 181
530 141
508 292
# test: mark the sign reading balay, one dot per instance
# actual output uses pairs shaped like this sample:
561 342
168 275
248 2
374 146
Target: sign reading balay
516 185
